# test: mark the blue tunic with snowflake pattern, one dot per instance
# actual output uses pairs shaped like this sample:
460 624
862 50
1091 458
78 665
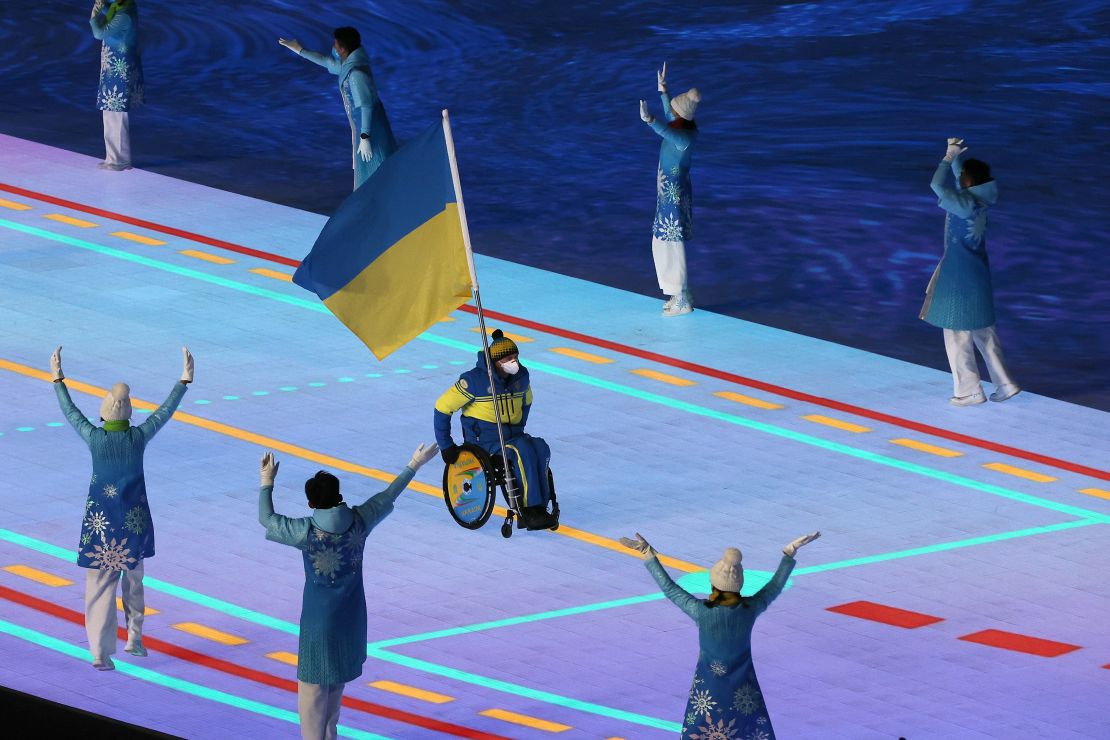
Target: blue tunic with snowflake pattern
959 295
121 69
674 201
117 531
332 644
725 699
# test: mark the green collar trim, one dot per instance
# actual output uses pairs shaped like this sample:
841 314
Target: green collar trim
117 426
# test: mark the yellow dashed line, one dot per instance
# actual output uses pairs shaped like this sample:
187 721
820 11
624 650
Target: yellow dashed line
138 238
213 258
579 355
1095 492
208 633
275 274
447 319
524 719
63 219
837 423
13 205
41 576
747 400
1019 472
663 377
283 657
515 337
411 692
913 444
147 611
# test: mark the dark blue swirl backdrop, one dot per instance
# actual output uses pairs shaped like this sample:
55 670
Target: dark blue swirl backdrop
820 126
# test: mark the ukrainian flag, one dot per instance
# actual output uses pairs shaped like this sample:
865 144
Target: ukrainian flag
392 261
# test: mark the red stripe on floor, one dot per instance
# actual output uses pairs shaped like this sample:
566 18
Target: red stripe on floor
1020 643
153 643
886 614
622 348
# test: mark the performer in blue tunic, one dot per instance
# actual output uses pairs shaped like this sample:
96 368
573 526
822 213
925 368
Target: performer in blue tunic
117 533
121 76
674 216
371 136
959 298
529 457
725 698
332 646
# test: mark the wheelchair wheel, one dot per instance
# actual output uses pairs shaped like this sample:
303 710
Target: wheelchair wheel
469 487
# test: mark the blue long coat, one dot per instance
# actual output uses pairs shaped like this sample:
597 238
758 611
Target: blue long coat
725 696
121 69
959 295
674 202
365 110
332 643
117 531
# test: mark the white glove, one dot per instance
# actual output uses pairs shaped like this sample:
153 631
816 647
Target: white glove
187 370
644 115
955 149
97 7
423 454
792 548
640 545
661 78
292 45
56 364
365 150
269 469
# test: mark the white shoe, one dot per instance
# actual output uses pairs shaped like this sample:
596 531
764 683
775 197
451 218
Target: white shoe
670 303
1004 392
136 648
114 166
972 400
104 664
680 307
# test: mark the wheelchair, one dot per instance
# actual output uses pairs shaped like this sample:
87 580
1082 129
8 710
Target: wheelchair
470 487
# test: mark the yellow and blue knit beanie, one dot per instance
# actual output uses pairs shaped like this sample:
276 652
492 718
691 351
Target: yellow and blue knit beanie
502 346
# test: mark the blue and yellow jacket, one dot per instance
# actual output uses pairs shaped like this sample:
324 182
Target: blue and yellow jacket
471 394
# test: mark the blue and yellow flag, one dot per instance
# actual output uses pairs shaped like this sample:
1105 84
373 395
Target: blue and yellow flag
391 261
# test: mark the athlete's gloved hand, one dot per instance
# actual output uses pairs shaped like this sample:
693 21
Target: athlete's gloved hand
97 7
792 548
645 116
187 366
365 150
269 469
661 78
292 45
450 454
955 149
640 545
56 364
423 454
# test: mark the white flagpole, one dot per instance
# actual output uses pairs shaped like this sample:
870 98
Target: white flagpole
510 488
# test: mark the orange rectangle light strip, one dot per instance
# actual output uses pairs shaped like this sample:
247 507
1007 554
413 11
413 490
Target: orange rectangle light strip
11 204
138 238
836 423
208 633
282 656
63 219
747 400
147 611
1096 492
275 274
663 377
411 691
913 444
39 576
515 337
213 258
1019 472
580 355
525 720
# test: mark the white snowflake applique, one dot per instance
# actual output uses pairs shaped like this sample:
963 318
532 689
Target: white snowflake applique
977 226
691 718
701 702
93 479
110 491
758 735
113 99
668 229
671 193
718 668
746 699
97 523
320 535
119 68
762 719
135 520
107 59
110 556
717 731
86 538
326 562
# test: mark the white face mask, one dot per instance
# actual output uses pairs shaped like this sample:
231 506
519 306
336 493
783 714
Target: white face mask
512 367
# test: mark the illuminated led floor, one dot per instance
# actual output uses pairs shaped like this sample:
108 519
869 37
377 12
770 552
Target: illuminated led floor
959 590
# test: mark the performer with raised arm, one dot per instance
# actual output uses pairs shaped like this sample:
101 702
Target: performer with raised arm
116 26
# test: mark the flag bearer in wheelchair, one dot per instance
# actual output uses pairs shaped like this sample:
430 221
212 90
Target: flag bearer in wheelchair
529 456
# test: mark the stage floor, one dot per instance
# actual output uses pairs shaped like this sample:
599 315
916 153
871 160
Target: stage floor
985 526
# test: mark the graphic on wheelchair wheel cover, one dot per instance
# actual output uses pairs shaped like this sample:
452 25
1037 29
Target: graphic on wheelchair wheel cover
466 487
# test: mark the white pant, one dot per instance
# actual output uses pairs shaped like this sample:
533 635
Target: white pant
670 265
117 138
318 706
960 346
100 608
